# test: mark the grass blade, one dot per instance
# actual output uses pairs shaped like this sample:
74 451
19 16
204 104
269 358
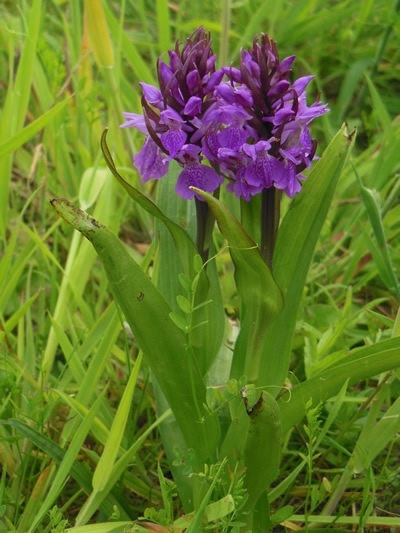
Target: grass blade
17 140
98 33
360 364
68 460
111 448
77 470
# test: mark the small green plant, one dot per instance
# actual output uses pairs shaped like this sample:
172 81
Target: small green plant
57 523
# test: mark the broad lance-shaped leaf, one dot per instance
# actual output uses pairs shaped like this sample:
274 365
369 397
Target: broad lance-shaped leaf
207 289
206 338
262 462
296 241
253 441
260 295
262 449
164 344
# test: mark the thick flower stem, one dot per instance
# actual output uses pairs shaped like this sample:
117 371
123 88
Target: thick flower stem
270 214
205 224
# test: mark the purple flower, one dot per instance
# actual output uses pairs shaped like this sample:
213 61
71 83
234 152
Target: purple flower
172 117
277 140
226 126
266 170
195 174
239 167
252 129
151 161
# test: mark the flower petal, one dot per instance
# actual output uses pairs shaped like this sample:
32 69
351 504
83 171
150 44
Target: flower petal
197 175
173 140
151 94
133 120
150 161
193 106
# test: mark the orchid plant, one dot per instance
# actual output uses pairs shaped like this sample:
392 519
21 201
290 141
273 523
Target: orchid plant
226 145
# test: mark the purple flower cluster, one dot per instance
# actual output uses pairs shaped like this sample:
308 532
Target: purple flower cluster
252 128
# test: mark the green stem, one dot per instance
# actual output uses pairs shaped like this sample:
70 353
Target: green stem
205 225
270 214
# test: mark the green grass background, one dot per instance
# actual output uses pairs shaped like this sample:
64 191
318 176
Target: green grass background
67 71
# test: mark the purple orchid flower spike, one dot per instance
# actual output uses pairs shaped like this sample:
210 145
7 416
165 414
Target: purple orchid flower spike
192 106
252 129
172 117
277 113
258 132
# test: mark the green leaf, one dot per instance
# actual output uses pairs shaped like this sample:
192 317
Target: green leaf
296 241
184 244
284 486
282 514
185 282
196 524
184 304
360 364
261 459
95 500
91 184
109 527
349 86
17 140
235 438
213 512
139 65
379 250
162 342
324 530
12 322
381 111
65 466
204 341
111 448
179 321
370 443
163 20
102 434
260 295
99 34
